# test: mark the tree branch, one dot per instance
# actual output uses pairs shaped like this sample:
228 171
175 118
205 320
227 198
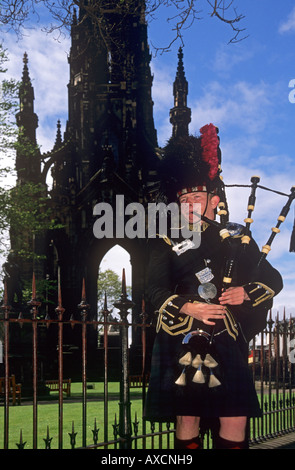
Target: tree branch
16 15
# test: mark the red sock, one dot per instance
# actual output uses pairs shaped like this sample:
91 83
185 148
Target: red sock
222 443
192 444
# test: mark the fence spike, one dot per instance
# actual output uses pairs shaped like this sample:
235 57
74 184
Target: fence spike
143 310
135 424
115 427
83 306
33 287
73 435
83 290
72 321
105 305
47 320
95 432
33 302
59 309
143 313
21 444
47 440
20 318
123 283
59 294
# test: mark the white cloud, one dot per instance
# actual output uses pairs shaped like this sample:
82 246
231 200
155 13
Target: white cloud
49 73
241 104
162 93
289 24
226 59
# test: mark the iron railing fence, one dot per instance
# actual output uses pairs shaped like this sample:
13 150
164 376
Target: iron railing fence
271 360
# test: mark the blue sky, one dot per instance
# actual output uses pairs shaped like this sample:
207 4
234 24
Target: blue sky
242 88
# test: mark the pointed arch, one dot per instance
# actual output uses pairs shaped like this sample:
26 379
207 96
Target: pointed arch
117 258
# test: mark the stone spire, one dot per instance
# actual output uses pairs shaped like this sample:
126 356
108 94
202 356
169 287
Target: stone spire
58 139
28 153
26 118
180 114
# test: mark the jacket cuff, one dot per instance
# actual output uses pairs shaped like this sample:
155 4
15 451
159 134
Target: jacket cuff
172 306
258 292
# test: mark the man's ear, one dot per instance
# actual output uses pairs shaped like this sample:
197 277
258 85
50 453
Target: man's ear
214 200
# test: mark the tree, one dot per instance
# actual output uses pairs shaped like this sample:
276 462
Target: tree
109 284
29 213
8 135
16 14
8 106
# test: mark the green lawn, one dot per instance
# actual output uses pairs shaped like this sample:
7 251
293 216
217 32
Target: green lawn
21 417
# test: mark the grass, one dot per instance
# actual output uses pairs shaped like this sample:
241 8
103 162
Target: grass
21 417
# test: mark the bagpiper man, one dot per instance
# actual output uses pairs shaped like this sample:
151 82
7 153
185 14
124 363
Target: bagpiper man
210 302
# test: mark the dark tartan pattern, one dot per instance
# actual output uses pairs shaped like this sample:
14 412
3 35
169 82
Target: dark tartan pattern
235 396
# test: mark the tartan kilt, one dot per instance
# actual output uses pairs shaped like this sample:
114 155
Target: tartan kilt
236 396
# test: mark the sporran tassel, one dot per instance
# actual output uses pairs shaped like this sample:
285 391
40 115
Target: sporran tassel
199 377
210 362
213 381
186 359
181 379
197 362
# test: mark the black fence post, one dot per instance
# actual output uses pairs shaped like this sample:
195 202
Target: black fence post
6 309
125 425
60 311
84 308
35 304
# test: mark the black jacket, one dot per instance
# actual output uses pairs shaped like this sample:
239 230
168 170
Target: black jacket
172 279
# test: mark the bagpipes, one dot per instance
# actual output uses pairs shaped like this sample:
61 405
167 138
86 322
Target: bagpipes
236 238
228 231
200 352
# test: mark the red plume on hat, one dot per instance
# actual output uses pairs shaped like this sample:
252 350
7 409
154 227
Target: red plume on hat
210 145
191 163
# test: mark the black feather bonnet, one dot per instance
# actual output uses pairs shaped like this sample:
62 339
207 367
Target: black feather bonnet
190 163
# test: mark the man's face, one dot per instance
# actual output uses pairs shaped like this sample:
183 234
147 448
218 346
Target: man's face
207 202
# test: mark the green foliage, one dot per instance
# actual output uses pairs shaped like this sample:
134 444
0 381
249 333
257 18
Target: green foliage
8 108
26 212
24 146
109 283
45 288
8 136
